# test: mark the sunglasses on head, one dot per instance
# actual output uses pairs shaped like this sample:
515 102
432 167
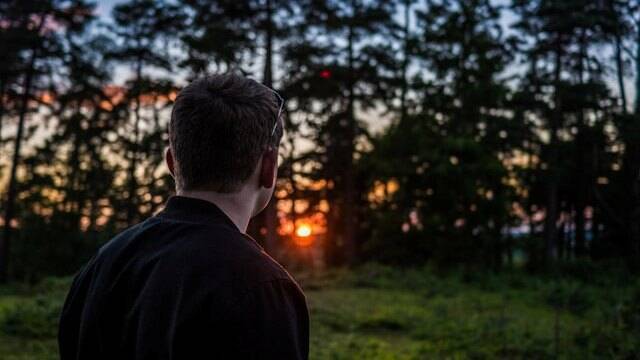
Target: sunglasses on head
280 108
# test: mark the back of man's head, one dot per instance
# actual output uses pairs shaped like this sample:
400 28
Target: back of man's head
220 126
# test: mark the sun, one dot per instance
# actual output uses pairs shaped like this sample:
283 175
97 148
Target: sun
303 230
303 236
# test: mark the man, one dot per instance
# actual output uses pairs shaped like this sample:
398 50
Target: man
188 283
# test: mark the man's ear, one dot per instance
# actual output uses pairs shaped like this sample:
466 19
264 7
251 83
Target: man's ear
168 157
268 167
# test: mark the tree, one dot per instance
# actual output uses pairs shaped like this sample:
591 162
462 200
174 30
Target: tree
221 36
451 188
37 25
335 71
69 177
625 189
144 31
568 76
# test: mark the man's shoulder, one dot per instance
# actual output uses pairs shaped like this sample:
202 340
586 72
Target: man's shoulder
239 257
161 237
213 257
237 260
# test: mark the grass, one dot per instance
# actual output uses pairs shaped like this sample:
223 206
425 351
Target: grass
377 312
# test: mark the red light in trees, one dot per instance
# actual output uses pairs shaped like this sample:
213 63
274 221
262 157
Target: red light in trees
325 74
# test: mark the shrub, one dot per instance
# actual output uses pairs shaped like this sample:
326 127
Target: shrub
34 318
52 284
571 296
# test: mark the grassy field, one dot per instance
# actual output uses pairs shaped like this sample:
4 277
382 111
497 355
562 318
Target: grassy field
377 312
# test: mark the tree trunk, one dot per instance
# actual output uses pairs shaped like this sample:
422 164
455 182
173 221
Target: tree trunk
551 232
637 61
349 214
294 189
2 106
635 217
561 241
405 61
132 207
620 69
13 181
582 178
270 213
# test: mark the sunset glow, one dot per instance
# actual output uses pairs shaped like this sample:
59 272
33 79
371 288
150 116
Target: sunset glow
304 230
303 235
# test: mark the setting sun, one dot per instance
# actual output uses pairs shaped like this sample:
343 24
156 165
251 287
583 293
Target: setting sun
303 230
303 234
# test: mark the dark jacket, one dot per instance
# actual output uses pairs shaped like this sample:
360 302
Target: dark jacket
184 284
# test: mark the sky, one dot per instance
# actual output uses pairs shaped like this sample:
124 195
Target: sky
104 8
375 121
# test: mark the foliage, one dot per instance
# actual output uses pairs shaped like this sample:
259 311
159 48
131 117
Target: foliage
450 205
33 318
412 314
379 312
417 132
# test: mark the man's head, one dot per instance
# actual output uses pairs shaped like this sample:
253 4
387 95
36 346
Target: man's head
220 136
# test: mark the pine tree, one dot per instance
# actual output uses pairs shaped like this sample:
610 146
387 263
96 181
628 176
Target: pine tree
565 37
222 36
36 24
67 188
457 170
625 28
144 31
337 69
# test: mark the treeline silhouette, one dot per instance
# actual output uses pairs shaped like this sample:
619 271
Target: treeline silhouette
470 133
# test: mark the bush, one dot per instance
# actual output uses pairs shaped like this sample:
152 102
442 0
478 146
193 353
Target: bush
51 284
630 313
34 318
570 296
